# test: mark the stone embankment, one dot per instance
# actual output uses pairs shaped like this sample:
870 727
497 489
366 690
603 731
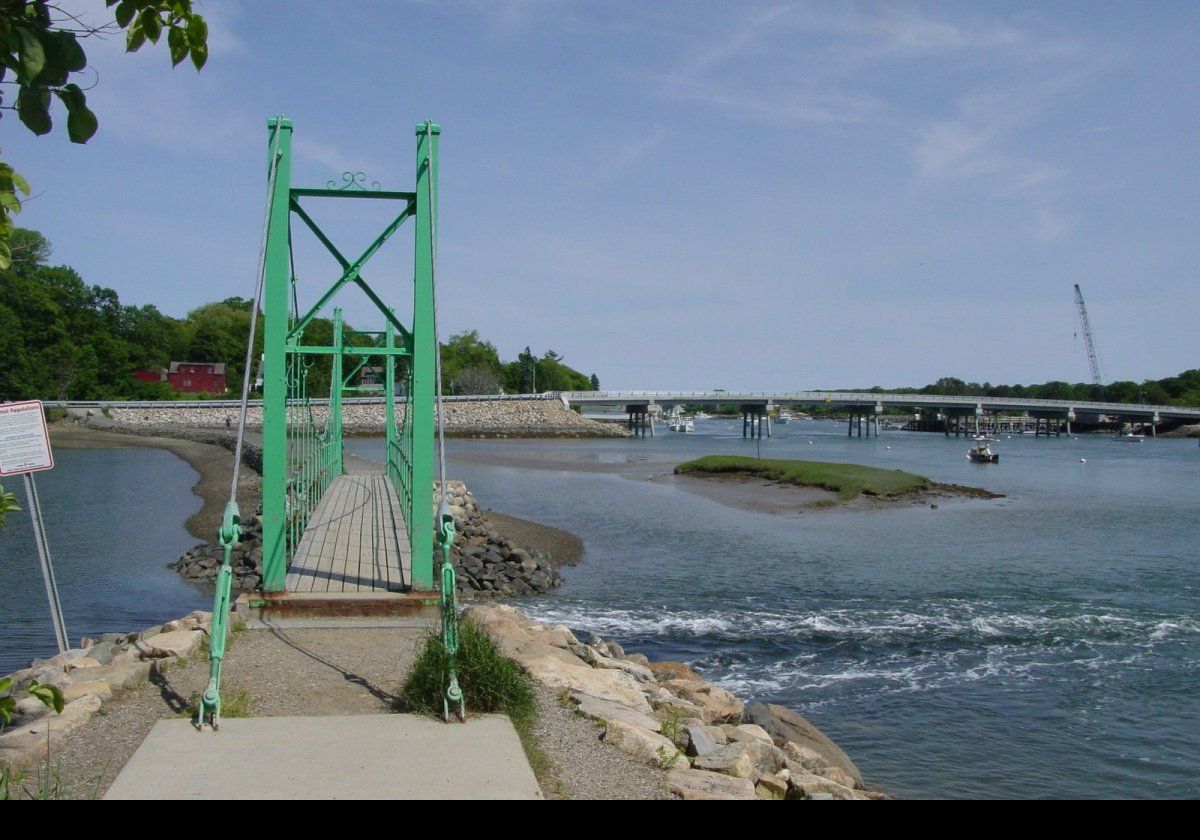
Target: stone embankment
1185 431
89 676
549 417
704 741
487 563
667 716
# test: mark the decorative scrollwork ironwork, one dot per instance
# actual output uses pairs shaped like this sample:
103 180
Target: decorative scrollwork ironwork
353 181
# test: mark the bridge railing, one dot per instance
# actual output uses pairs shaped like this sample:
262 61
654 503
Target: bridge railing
869 398
313 451
399 455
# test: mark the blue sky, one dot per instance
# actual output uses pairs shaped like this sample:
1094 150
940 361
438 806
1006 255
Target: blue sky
687 195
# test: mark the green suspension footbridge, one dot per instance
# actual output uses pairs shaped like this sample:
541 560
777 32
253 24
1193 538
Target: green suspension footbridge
340 536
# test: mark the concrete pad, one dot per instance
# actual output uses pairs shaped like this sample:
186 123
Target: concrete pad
335 757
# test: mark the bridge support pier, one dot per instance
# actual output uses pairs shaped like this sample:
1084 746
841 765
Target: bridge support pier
639 420
755 416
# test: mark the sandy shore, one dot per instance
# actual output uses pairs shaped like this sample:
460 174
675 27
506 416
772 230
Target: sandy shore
213 463
561 548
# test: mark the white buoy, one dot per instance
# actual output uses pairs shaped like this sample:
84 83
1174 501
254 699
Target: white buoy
1083 460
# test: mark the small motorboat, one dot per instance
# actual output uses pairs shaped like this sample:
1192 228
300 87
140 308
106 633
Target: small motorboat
1129 437
981 453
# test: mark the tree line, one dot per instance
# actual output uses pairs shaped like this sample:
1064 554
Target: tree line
471 365
63 339
1182 389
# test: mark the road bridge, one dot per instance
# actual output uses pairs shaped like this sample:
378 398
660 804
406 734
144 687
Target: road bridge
866 407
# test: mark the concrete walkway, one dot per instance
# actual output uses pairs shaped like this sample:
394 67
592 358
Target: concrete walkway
330 757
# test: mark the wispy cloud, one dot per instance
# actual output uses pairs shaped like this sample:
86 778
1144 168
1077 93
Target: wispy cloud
330 157
140 97
902 71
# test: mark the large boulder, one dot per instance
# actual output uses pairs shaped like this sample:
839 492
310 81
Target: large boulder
646 746
743 759
803 785
785 725
717 704
84 688
701 740
528 643
178 643
603 710
701 784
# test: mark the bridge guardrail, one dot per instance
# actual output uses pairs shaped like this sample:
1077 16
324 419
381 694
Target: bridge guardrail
867 397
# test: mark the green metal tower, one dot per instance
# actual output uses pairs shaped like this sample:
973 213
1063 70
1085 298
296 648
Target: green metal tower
302 445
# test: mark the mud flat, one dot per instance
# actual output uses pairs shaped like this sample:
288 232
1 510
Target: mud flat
777 486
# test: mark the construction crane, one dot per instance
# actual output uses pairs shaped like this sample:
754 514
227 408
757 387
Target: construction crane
1087 336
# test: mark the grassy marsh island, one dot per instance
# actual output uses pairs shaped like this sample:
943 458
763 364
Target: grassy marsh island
846 481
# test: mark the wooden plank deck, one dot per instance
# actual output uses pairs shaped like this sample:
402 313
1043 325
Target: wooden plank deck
356 540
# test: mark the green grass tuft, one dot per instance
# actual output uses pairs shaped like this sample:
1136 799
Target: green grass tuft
234 704
847 480
490 681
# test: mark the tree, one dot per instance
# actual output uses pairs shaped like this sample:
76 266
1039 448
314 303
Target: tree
594 382
41 54
476 380
466 351
947 385
526 365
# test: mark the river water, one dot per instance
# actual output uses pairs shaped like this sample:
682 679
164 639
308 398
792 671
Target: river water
1043 644
114 519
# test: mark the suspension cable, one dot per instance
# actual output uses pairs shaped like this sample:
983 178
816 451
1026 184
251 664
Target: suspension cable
437 347
258 290
453 696
209 708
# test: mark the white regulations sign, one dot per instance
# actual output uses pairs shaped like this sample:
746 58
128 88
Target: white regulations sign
24 442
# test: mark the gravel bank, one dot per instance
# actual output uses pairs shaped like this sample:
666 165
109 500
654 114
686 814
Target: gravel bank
584 766
548 417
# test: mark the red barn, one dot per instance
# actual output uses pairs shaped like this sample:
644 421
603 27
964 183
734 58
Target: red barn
148 375
197 377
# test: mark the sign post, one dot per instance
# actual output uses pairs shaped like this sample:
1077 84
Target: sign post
24 450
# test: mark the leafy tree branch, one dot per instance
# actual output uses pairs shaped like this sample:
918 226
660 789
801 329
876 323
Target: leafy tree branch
42 57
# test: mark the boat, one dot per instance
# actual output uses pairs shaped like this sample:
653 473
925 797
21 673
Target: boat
785 416
1128 437
679 423
981 453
